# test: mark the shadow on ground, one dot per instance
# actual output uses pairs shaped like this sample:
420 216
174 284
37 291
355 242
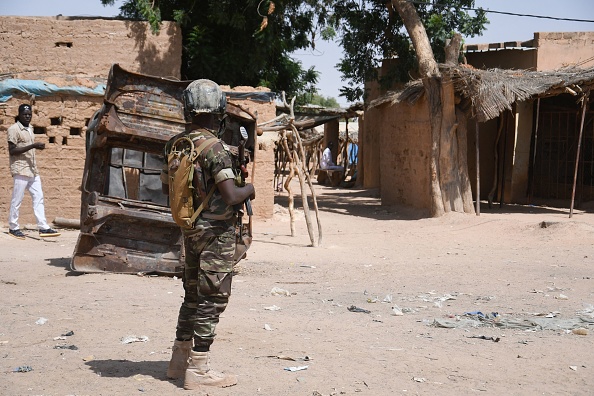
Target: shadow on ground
367 203
63 262
127 368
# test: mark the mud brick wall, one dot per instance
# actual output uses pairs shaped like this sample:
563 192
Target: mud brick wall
405 149
563 49
263 206
60 123
35 47
70 51
264 179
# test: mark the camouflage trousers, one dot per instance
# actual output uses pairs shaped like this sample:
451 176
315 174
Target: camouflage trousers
207 282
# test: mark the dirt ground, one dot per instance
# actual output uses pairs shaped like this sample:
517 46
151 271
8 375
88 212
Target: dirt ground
461 304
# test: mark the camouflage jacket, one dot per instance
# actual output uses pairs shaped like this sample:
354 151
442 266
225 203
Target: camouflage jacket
213 166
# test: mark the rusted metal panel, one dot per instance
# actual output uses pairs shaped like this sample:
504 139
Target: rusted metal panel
126 224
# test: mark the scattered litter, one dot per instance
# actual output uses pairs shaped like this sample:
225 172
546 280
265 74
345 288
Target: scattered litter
8 282
68 334
580 331
482 337
372 300
132 338
89 358
41 321
479 314
574 368
396 311
352 308
588 310
296 368
387 299
561 297
308 266
71 347
419 379
23 369
277 291
267 327
59 338
285 357
485 298
531 323
3 342
272 308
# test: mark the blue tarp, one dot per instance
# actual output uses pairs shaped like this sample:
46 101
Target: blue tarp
11 86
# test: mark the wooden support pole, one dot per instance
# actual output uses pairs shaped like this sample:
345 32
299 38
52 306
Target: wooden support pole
577 156
534 151
478 172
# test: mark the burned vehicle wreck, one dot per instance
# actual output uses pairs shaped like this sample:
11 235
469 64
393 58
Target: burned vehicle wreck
125 222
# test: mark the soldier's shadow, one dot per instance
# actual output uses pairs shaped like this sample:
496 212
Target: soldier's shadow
126 368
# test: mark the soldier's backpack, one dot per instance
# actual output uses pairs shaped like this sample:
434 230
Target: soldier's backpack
180 161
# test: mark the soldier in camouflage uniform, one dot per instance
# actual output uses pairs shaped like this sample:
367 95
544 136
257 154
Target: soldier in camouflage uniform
210 245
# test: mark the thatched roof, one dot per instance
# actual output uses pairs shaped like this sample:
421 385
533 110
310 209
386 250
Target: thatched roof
490 92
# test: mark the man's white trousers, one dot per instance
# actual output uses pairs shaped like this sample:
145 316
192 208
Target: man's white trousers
33 185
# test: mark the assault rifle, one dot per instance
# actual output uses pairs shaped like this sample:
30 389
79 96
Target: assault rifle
243 164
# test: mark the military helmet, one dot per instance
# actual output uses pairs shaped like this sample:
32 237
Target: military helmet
204 96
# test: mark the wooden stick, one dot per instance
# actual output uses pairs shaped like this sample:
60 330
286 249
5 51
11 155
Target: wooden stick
577 157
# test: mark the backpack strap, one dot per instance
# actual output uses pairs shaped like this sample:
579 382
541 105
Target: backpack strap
207 143
204 144
202 205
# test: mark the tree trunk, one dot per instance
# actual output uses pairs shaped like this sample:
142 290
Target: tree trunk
449 187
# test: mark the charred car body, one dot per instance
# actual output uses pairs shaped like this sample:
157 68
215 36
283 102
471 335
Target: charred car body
125 222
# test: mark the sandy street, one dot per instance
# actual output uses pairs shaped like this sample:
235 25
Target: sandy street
389 304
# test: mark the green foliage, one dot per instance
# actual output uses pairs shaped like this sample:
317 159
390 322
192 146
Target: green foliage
325 101
312 98
371 31
249 42
240 42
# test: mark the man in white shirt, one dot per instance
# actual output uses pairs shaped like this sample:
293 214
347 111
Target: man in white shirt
326 162
21 150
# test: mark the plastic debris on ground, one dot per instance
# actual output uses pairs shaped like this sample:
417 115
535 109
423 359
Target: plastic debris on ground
482 337
396 311
296 368
532 323
71 347
41 321
23 369
132 338
353 308
277 291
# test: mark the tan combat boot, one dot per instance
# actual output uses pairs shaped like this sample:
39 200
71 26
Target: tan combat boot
199 373
179 359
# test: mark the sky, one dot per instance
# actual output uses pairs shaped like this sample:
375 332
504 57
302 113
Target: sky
501 27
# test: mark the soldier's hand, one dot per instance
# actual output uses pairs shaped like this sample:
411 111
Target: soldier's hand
39 145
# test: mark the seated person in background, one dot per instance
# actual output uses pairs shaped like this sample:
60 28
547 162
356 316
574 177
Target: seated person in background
326 163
